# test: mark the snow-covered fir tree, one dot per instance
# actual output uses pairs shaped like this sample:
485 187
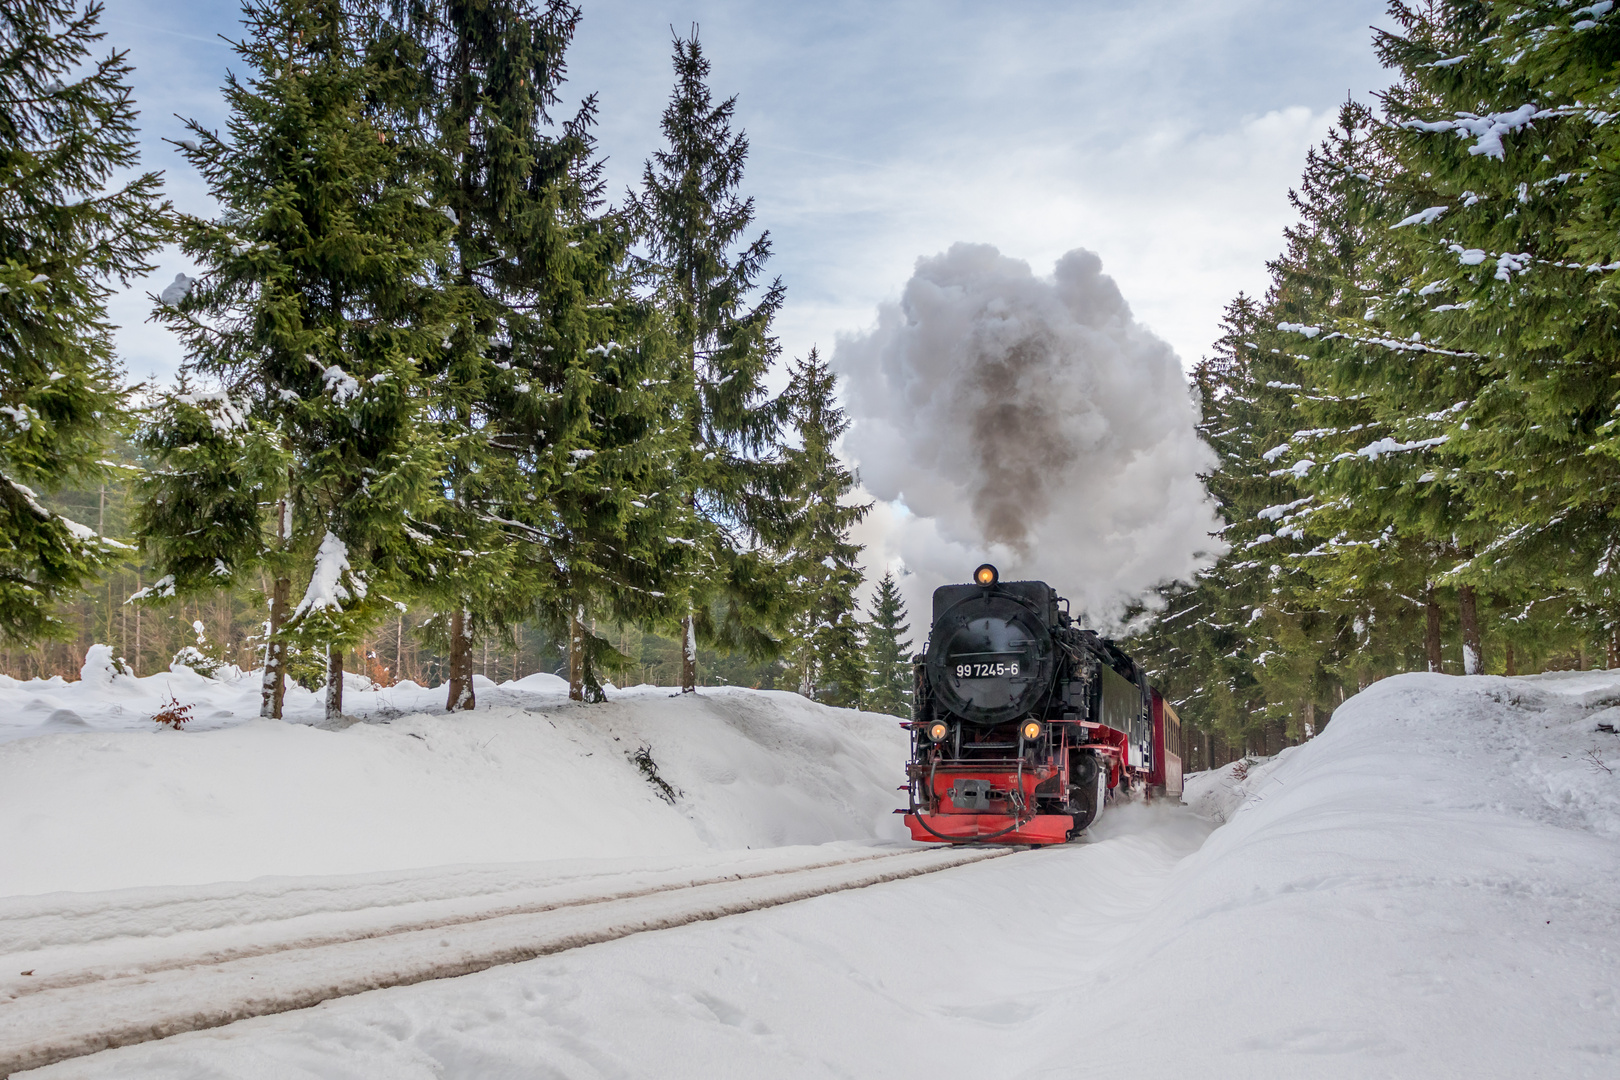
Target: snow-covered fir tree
211 505
704 271
317 305
1441 328
888 652
825 649
513 184
68 231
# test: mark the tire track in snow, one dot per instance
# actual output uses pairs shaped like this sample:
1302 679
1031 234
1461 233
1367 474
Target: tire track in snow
72 1019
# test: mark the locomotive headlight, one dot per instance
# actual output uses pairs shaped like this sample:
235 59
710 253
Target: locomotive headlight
986 575
1032 731
937 730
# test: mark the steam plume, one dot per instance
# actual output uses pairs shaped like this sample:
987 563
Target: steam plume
1030 421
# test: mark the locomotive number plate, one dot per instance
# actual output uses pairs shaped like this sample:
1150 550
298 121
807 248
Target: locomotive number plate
986 671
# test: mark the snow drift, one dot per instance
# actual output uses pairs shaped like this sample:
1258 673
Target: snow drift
1031 421
102 801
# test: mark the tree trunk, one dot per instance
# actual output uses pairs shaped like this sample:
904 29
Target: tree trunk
274 689
1507 658
461 695
576 655
1614 646
334 682
688 654
1434 629
1310 720
1468 615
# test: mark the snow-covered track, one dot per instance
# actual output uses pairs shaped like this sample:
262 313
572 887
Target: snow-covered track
69 1013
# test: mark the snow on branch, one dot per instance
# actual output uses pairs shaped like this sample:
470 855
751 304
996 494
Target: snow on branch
342 384
1374 450
1273 513
1596 11
82 533
162 588
1486 130
1509 263
225 415
1414 344
1422 217
327 591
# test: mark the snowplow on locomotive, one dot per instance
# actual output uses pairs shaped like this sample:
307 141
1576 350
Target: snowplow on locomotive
1024 724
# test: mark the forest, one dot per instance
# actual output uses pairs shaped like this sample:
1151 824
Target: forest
1417 423
449 408
446 409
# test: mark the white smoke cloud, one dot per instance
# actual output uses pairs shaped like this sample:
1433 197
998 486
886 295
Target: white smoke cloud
1031 422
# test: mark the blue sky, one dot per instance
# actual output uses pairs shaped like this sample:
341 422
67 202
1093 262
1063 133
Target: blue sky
1163 136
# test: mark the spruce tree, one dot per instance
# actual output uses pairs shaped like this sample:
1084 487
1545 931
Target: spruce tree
555 401
1210 647
1216 620
1514 161
317 304
1480 353
617 539
1443 319
1331 512
824 634
888 652
514 186
67 128
703 270
211 504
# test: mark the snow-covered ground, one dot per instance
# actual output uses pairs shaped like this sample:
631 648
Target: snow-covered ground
1428 889
113 801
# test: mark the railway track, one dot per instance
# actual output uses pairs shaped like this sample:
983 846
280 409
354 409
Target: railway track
106 1000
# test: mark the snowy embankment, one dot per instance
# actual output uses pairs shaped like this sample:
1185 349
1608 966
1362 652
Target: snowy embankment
108 800
1425 890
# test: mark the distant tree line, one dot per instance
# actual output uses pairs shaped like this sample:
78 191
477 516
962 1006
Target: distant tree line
1417 424
435 382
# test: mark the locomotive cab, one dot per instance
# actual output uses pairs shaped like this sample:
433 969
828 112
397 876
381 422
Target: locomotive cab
1024 724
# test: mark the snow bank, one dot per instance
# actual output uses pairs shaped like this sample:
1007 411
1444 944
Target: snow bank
1217 794
1425 890
97 799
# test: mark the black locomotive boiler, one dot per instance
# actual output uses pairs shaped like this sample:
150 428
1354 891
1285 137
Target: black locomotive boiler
1024 724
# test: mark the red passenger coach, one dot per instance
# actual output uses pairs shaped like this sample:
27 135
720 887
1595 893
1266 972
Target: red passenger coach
1165 776
1024 725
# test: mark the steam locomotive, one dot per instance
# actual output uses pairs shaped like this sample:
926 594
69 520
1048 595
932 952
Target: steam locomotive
1024 724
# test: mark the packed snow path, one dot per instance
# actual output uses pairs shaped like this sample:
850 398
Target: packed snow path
76 999
881 981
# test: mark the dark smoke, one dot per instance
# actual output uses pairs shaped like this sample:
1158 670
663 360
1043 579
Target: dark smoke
1032 422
